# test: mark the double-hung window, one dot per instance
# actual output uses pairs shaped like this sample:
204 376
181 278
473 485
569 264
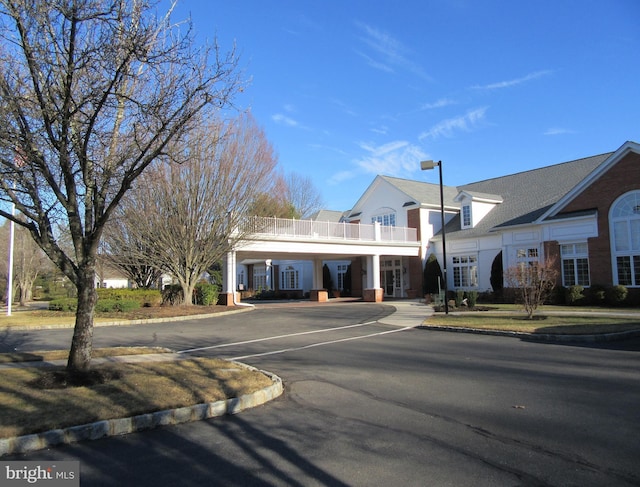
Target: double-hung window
575 264
465 271
466 216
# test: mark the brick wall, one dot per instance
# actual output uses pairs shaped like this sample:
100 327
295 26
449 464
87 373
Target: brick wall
618 180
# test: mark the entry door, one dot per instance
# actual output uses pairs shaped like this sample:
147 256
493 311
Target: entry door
391 277
388 285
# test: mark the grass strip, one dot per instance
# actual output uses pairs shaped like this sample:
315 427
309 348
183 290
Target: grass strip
30 402
544 324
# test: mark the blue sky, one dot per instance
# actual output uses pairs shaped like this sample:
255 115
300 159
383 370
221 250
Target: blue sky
346 90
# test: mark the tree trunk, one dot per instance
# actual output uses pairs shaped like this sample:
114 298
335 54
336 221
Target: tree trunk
187 293
81 344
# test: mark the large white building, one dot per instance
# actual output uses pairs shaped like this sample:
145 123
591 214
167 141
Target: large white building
584 213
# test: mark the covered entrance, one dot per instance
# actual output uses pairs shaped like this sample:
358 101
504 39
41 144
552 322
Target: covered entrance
276 239
391 276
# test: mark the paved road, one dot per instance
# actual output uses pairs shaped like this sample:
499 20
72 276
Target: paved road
370 404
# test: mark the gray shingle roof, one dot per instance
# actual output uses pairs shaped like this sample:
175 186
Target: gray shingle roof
525 195
425 193
327 216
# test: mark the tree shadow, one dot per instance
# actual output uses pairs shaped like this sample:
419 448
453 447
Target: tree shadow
224 451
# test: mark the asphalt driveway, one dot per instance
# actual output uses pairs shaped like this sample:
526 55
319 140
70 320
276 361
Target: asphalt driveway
372 402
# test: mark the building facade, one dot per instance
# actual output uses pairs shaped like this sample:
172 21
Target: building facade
583 215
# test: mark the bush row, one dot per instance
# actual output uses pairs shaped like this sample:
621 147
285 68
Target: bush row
204 294
102 306
144 297
595 295
110 300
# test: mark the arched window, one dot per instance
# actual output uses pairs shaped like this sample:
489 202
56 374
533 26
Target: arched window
385 216
624 222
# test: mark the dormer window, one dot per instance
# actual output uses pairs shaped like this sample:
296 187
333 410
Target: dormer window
475 206
466 216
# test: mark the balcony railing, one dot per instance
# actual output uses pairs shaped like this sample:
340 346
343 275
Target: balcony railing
310 229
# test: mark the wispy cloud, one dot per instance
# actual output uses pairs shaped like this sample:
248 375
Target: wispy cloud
513 82
281 119
397 158
341 176
385 52
558 131
381 130
447 128
442 102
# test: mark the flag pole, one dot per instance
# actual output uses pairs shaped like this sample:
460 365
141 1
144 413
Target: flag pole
10 264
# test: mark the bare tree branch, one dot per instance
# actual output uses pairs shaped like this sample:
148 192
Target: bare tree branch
92 92
182 218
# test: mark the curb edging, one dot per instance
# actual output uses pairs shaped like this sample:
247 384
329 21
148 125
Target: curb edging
539 337
141 422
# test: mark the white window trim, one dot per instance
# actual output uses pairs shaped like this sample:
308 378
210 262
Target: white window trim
471 265
633 254
575 256
463 223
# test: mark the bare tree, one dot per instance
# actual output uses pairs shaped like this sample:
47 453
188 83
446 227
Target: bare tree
124 251
295 196
302 195
274 203
184 218
28 262
534 282
92 92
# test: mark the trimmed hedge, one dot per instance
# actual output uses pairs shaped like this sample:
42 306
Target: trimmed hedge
118 305
110 300
63 304
144 297
206 294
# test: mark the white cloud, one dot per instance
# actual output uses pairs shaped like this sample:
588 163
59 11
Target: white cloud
381 130
513 82
341 176
448 127
284 120
375 64
397 158
387 53
442 102
558 131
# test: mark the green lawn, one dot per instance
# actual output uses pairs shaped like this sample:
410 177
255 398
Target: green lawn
548 319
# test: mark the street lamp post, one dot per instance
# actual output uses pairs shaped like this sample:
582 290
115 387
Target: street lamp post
426 165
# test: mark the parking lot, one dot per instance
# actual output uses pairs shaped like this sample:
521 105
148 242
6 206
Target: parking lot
371 402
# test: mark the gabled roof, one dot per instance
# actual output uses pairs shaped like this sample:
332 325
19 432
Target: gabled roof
477 196
613 158
328 216
526 195
424 194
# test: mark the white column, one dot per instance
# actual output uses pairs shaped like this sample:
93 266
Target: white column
375 271
317 274
229 273
268 271
368 277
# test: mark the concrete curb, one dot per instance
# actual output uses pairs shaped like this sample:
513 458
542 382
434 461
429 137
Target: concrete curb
539 337
123 426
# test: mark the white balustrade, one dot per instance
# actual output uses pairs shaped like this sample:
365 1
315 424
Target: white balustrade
318 230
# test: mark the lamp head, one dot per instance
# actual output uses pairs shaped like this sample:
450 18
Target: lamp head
425 165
